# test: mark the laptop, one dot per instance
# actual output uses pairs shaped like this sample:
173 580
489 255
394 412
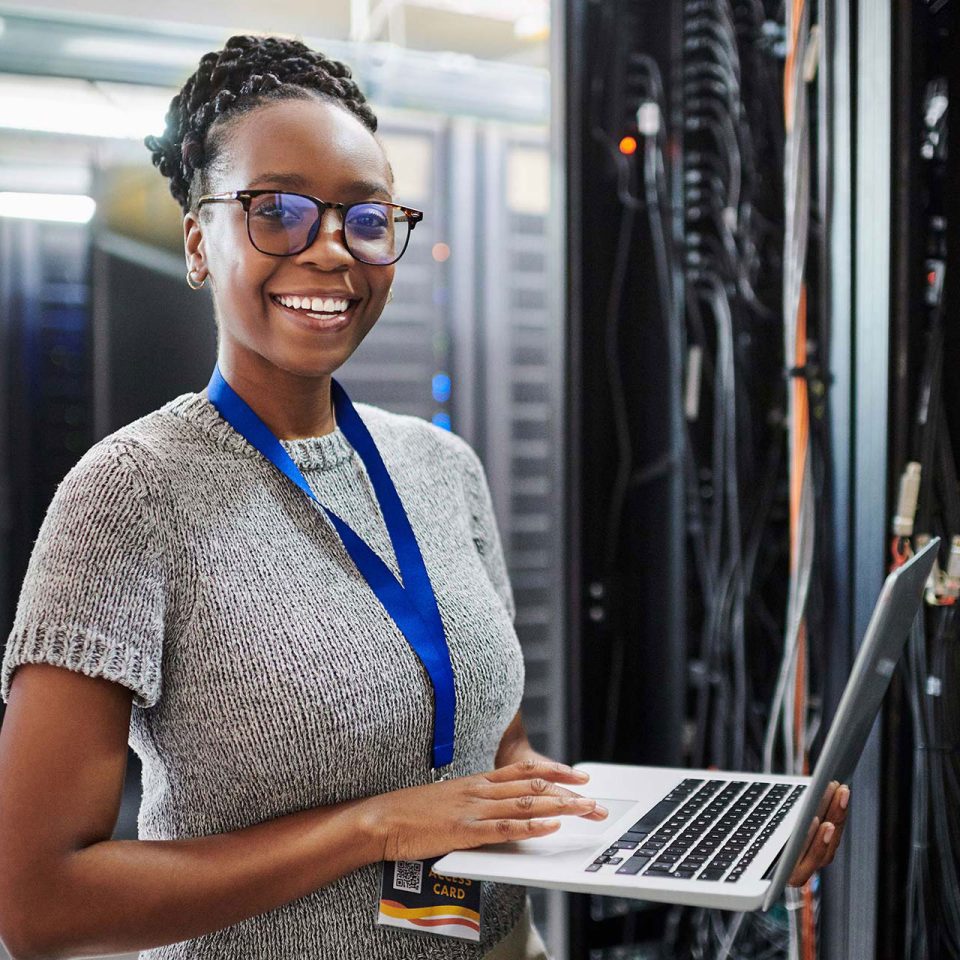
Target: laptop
709 838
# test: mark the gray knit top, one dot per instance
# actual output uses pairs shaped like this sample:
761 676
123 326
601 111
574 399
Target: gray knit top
267 677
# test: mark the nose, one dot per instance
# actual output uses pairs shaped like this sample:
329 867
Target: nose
328 250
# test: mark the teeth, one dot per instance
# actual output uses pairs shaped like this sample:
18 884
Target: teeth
315 304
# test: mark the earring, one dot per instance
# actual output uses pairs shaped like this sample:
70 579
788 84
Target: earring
390 295
192 281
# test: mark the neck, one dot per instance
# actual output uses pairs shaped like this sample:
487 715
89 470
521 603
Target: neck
292 406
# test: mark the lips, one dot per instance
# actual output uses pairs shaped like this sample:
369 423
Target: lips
304 315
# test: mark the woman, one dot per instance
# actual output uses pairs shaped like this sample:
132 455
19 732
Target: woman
199 565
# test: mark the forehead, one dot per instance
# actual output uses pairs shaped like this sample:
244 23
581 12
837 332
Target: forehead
313 146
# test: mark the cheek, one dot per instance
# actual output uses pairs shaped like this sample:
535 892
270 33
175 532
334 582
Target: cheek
379 280
242 276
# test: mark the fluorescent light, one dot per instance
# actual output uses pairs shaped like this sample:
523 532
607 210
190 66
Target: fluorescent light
156 53
531 26
52 105
62 207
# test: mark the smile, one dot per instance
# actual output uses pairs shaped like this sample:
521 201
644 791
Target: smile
324 306
317 313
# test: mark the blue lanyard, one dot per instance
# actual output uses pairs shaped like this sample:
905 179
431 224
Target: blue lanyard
413 605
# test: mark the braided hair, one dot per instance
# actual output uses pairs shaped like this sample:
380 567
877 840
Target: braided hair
246 73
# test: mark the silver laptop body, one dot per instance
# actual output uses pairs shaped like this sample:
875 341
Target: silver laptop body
705 837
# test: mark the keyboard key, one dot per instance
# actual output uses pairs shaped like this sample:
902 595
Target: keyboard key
654 815
633 865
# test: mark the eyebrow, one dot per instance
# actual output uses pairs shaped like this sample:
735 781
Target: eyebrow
295 182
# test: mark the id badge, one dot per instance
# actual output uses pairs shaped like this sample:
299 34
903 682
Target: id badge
413 897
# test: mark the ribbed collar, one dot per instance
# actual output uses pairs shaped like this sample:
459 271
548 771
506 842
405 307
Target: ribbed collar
308 453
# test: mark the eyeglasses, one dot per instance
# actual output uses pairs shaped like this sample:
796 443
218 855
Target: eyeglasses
283 224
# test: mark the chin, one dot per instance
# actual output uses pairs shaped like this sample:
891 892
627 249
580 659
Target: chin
303 363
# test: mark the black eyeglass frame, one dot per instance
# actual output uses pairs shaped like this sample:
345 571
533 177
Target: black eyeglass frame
245 196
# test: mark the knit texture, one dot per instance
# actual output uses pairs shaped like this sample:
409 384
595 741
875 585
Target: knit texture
267 678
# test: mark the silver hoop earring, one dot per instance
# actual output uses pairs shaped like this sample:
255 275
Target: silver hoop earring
192 282
390 295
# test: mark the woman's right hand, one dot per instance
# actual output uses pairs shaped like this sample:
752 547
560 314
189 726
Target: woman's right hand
493 807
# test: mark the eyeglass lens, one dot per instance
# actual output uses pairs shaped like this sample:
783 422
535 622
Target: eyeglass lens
285 223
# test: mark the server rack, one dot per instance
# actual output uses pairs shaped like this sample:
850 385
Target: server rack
872 271
45 414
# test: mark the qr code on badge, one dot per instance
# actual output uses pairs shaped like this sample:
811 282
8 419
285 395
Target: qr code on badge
407 875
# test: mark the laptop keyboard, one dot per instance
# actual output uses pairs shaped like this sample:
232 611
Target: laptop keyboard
701 830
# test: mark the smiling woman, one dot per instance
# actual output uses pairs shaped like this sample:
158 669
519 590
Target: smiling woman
304 599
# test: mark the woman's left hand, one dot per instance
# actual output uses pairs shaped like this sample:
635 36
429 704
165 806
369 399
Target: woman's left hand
824 834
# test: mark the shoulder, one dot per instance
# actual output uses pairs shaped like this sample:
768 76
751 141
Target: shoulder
415 437
131 460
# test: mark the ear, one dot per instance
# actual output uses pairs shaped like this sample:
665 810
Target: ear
193 246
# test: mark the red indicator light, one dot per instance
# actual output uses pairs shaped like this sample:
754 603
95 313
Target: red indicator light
628 145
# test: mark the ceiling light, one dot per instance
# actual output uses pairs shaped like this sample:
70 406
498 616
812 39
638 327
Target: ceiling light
531 26
62 207
76 107
140 51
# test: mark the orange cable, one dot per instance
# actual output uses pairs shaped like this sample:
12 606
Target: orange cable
798 456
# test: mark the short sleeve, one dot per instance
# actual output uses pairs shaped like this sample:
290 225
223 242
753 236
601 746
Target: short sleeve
93 599
486 535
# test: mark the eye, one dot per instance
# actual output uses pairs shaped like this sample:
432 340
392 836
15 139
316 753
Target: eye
369 217
277 209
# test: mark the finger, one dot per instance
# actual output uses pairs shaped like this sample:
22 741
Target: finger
506 829
529 768
840 821
537 787
837 815
804 866
840 806
827 799
527 806
816 856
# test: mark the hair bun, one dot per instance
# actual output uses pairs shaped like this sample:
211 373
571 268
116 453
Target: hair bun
230 81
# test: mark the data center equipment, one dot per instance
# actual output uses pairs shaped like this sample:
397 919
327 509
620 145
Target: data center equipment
759 302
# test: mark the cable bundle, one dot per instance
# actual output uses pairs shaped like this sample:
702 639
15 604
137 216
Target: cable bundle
929 504
751 510
732 306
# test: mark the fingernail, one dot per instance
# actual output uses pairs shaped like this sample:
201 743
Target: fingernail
828 832
844 798
550 824
600 808
580 774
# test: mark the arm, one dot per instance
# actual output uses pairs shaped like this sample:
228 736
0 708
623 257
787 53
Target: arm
514 745
67 889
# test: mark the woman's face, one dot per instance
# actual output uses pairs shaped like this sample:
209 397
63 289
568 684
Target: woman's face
305 146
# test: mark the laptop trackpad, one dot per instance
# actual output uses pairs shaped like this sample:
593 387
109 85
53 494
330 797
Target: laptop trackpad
575 832
588 829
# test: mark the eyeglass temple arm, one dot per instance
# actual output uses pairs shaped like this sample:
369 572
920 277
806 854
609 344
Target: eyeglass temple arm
218 198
